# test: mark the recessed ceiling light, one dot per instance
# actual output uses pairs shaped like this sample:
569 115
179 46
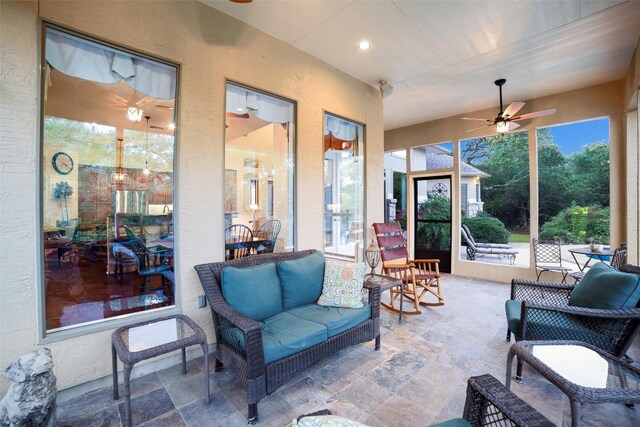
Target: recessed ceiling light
364 45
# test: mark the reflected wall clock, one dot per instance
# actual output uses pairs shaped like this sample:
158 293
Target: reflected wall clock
62 163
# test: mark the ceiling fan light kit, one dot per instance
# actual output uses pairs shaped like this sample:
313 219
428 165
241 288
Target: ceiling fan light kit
506 119
134 114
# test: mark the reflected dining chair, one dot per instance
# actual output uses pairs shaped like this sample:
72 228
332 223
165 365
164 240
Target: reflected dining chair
267 235
548 257
420 277
238 241
148 264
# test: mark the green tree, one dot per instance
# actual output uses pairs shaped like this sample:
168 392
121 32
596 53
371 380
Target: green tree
554 178
506 192
590 175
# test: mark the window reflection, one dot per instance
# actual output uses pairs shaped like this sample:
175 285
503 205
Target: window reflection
343 188
259 173
107 181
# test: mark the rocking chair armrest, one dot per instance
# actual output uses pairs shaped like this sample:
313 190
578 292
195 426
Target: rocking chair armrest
428 261
398 266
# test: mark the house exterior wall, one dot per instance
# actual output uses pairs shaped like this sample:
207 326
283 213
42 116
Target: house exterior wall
605 100
210 47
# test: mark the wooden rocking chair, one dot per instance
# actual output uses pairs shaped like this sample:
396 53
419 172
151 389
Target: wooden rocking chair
419 277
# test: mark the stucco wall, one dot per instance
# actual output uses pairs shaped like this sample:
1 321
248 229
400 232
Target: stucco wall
631 100
604 100
210 47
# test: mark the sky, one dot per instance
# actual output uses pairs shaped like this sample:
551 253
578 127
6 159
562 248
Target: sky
571 137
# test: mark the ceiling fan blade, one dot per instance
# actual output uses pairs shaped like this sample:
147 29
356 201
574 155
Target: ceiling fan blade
477 118
479 127
512 109
535 114
513 125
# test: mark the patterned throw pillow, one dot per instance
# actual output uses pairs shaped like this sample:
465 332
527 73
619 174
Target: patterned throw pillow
326 421
342 284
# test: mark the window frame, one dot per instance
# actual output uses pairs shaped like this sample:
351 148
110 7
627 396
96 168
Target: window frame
72 331
326 112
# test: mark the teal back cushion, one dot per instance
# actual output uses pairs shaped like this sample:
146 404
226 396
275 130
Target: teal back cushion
606 287
254 292
301 280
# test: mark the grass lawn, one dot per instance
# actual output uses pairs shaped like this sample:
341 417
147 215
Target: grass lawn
519 238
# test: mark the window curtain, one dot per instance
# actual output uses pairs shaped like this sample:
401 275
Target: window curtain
267 108
95 62
339 128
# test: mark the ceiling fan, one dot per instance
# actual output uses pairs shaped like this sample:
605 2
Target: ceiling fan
506 119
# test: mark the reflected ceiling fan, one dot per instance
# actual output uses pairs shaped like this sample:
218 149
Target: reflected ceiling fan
506 119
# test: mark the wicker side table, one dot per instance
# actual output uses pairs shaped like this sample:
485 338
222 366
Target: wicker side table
583 372
145 340
385 283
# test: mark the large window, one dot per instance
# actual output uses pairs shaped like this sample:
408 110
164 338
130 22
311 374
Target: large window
494 190
259 173
395 187
343 188
107 181
573 176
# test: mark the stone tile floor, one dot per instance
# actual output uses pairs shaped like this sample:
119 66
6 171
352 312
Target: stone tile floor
417 378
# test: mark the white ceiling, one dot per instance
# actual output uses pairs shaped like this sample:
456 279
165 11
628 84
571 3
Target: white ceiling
442 57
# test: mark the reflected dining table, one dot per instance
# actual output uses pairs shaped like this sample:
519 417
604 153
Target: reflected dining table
603 255
241 248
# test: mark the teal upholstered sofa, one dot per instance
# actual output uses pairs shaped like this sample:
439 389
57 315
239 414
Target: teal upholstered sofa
603 309
267 323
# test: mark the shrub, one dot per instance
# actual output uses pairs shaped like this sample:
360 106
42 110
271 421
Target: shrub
487 229
575 224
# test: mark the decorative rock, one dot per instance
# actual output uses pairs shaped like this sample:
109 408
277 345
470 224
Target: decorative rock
30 400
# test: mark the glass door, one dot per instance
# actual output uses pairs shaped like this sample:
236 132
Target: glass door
343 189
432 207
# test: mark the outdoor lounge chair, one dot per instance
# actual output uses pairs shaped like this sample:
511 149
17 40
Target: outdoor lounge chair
477 252
482 244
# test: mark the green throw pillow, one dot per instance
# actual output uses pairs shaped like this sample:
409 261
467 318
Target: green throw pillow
342 284
254 292
301 280
606 287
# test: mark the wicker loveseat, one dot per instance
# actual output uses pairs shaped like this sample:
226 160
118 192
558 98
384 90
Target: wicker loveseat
253 349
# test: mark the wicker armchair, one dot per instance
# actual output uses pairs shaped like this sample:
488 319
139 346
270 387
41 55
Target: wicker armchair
489 403
247 360
546 315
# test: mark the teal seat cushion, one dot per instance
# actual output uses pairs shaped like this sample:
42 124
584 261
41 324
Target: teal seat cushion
285 334
335 319
513 309
605 287
456 422
254 292
301 280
